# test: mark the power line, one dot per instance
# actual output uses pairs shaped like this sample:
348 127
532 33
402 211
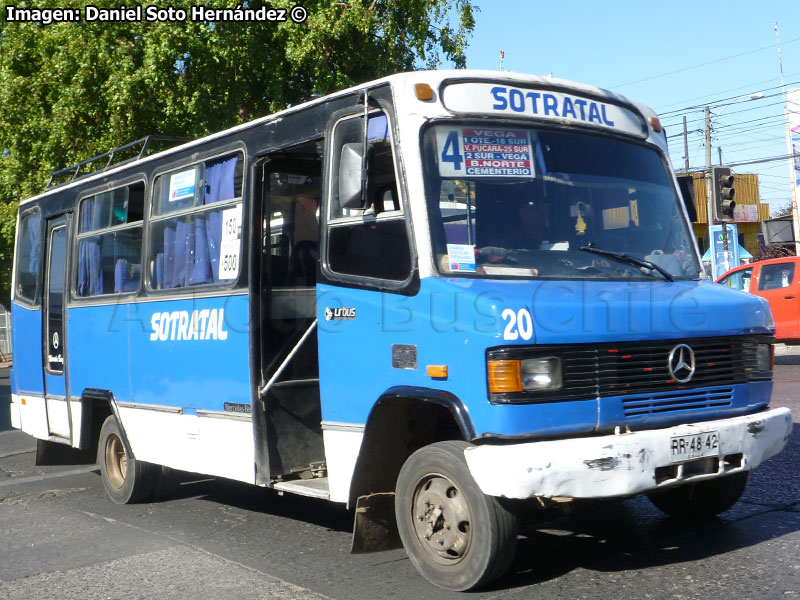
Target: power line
724 100
749 85
764 160
711 62
760 106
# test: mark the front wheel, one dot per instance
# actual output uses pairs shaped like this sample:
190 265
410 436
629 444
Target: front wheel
457 537
125 479
701 500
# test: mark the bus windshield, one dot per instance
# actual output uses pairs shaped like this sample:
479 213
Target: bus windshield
525 202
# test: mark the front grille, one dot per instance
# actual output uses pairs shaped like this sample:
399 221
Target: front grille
653 404
635 368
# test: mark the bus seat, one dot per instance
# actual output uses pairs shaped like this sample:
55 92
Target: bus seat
769 282
126 276
279 270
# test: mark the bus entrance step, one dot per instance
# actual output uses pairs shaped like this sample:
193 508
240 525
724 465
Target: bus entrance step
316 488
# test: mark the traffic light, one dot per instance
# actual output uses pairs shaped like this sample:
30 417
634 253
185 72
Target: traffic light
723 194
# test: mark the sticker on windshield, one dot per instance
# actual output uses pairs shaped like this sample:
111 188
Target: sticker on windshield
181 185
484 152
461 257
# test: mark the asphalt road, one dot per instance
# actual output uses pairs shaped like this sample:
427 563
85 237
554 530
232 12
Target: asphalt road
61 537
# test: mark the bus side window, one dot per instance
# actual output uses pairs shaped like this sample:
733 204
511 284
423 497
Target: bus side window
29 257
110 242
371 241
196 224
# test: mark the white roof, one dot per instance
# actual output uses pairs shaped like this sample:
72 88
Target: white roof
400 80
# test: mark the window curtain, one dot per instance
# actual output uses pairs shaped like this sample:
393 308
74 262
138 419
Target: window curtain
220 185
33 230
90 275
192 244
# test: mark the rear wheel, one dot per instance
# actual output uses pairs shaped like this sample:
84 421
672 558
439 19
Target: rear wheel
125 479
457 537
701 500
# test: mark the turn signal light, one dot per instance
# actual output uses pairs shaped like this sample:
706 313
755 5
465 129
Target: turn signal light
423 91
504 376
656 124
438 371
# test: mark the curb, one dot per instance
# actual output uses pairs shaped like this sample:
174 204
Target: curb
784 350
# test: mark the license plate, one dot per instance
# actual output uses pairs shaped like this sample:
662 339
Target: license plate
687 447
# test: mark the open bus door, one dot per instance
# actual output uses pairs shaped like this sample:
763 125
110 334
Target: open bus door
54 326
289 390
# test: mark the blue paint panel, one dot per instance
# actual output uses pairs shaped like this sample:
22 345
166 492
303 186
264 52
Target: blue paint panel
453 321
26 333
190 373
110 347
97 350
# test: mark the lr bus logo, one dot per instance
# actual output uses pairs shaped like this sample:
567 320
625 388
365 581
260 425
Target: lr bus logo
56 341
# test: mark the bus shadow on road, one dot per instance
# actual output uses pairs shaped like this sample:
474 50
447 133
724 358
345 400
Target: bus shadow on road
256 500
788 359
603 536
620 535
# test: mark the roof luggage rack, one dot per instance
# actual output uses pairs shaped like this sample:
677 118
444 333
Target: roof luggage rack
74 172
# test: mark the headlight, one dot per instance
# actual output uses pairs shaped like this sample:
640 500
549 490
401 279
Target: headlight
528 375
541 374
765 357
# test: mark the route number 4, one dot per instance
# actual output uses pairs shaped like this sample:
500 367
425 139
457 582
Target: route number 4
450 151
519 324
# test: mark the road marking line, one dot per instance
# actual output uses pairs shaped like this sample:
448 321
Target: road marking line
33 478
17 453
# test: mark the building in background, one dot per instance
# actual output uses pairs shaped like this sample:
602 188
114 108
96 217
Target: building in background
749 213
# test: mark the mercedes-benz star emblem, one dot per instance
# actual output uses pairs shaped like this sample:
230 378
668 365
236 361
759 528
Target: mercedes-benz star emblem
681 363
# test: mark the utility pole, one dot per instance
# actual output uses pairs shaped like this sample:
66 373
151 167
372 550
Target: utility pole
685 145
719 150
710 209
709 188
790 150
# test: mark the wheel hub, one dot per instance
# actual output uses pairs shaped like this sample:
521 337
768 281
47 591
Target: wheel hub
441 518
116 461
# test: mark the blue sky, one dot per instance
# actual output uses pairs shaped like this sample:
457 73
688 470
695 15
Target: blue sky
669 55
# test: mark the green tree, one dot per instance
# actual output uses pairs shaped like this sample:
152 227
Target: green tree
69 91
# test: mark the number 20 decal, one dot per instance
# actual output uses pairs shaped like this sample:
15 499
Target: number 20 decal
519 325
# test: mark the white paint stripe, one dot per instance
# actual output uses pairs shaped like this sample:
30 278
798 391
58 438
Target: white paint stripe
17 453
23 480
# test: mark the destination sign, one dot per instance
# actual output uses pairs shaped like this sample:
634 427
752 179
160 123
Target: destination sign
493 98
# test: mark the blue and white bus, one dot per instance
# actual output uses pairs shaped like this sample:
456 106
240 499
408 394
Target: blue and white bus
438 298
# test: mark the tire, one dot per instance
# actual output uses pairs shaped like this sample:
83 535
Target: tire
457 537
125 479
701 500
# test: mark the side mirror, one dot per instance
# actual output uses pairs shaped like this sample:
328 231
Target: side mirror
350 165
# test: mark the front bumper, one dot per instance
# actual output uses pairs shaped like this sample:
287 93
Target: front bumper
623 464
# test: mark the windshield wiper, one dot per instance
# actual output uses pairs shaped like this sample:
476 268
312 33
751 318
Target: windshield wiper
631 260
